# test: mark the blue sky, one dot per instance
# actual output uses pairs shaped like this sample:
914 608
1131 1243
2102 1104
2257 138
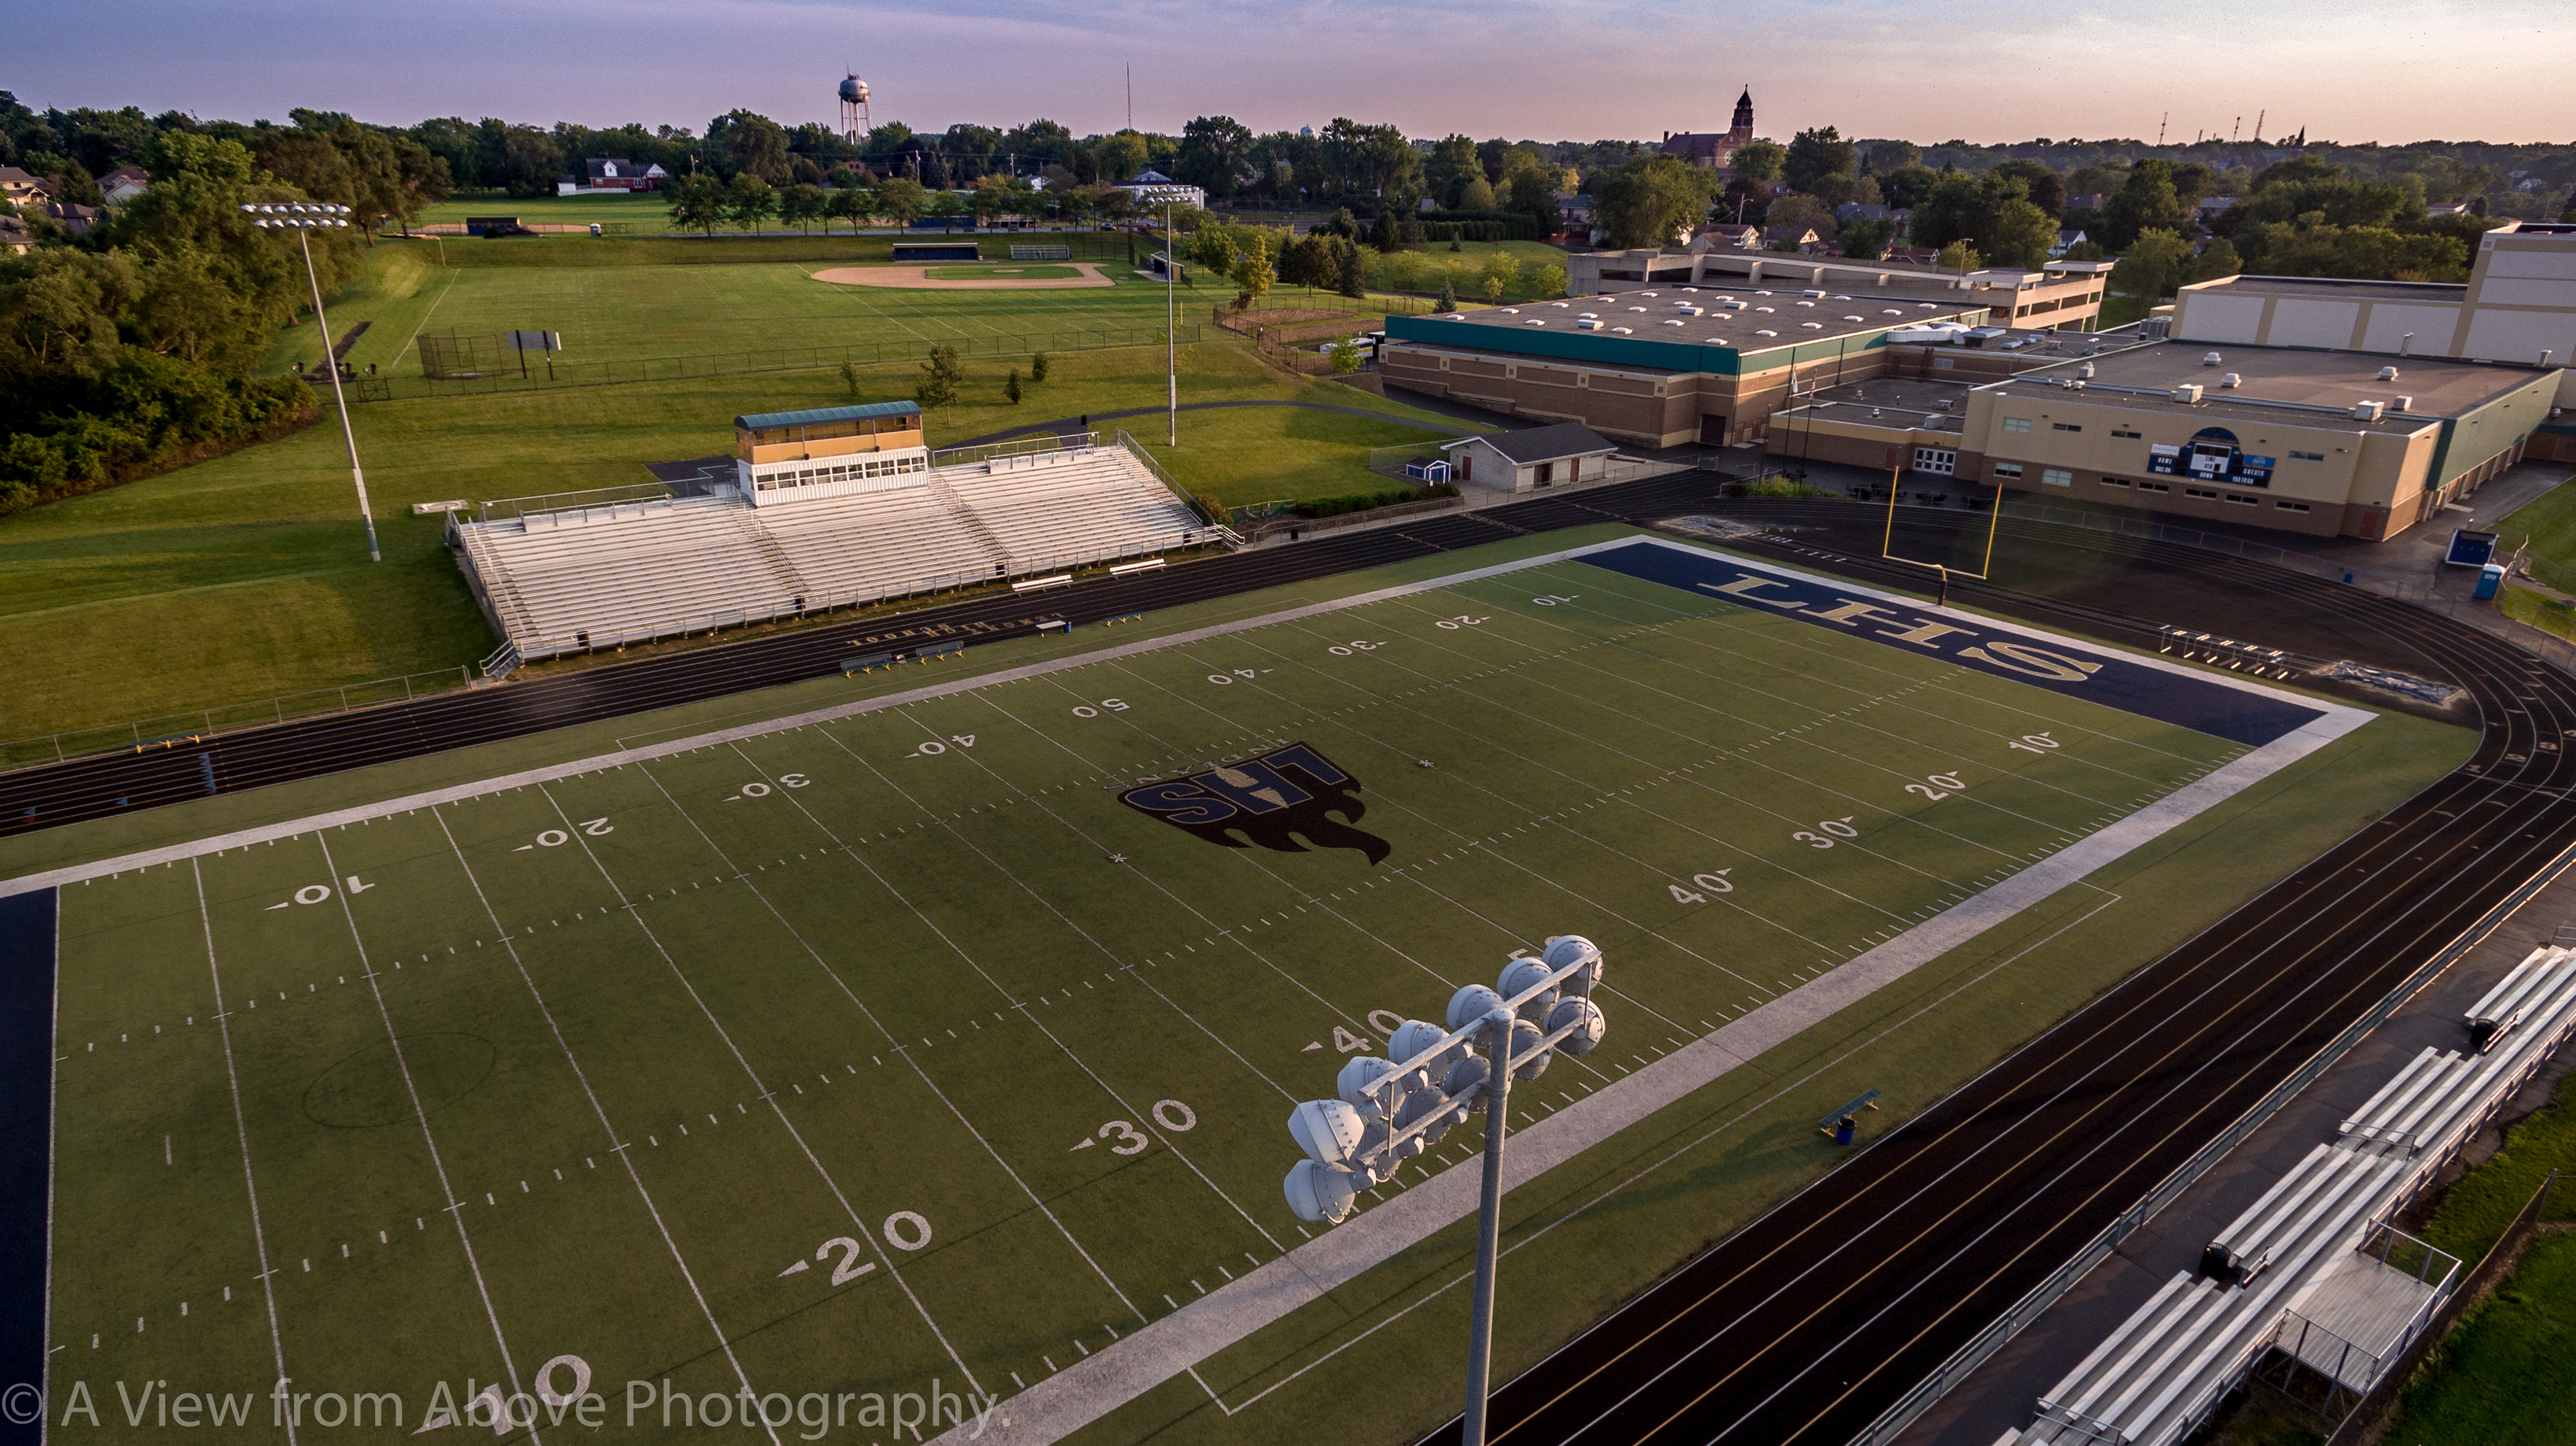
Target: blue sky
1985 70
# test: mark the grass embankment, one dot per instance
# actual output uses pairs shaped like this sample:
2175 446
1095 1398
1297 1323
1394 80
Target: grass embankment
2549 614
2507 1371
2547 526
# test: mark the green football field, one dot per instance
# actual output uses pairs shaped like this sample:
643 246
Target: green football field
898 1046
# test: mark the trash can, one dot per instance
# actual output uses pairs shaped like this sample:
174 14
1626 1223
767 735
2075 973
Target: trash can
594 228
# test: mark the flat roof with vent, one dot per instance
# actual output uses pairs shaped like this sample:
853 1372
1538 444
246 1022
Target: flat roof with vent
1717 326
2146 376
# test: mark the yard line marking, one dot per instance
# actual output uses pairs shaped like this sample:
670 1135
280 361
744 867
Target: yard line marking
241 1127
437 1162
600 1112
1166 1347
767 1095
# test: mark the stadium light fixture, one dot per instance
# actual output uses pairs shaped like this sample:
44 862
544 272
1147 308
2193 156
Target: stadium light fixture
1387 1111
304 219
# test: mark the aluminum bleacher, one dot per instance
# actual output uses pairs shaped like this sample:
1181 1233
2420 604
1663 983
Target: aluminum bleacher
568 579
2312 1276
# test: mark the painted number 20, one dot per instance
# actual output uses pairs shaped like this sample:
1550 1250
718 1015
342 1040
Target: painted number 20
1939 785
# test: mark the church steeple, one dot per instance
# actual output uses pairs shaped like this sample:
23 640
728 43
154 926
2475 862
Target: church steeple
1744 113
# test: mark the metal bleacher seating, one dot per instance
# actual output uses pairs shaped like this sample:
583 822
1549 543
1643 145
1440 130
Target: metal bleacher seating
2312 1271
579 578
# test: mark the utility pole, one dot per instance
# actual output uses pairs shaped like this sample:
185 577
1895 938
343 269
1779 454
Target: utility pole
2258 123
2160 129
1131 95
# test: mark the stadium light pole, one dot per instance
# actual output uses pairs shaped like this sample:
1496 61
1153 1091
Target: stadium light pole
1390 1110
1171 331
303 219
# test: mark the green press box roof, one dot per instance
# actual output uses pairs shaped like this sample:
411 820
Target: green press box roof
823 416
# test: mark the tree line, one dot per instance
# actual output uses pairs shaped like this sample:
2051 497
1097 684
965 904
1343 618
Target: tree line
130 349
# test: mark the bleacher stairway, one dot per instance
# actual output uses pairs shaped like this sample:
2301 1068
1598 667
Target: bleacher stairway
579 578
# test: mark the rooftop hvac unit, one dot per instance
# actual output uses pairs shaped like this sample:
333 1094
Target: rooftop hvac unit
2155 328
1587 325
2230 379
2401 404
2365 411
2085 371
2188 395
2209 359
2075 386
2388 374
1811 293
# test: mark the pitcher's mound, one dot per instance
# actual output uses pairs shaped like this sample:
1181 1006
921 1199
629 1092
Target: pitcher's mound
917 278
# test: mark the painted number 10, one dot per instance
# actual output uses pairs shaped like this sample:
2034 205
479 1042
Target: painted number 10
2033 743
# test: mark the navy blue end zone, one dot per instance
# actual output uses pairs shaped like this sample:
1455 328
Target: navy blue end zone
26 1153
2204 705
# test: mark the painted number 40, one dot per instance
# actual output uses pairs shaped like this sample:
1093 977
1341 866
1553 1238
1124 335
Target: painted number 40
1715 883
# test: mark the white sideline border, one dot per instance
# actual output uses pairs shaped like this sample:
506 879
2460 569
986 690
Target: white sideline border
2335 713
1110 1378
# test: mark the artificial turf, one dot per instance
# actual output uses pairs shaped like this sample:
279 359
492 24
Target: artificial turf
915 984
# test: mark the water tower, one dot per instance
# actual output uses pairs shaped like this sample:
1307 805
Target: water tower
855 124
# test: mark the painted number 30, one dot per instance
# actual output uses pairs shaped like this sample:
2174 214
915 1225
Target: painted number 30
1837 827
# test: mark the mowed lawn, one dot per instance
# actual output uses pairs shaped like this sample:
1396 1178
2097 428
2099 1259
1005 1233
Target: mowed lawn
898 1047
246 577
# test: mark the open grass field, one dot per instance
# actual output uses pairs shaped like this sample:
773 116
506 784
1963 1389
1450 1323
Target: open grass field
245 577
648 211
840 1056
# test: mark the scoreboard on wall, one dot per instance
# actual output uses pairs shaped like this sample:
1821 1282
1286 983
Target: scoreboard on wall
2211 455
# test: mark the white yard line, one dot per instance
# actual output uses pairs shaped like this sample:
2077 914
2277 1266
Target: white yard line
241 1127
454 1208
270 833
767 1094
1112 1377
600 1111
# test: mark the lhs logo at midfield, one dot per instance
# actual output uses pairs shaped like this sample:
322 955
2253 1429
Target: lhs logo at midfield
1269 801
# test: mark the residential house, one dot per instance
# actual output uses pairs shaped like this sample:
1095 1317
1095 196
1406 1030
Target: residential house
1796 238
13 235
2066 239
74 219
123 184
2089 201
21 189
1742 238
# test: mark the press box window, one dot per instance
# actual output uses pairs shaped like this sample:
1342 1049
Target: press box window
2056 477
2065 427
2016 424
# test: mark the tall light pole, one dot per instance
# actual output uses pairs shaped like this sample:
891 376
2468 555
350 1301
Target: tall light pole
304 219
1171 327
1391 1110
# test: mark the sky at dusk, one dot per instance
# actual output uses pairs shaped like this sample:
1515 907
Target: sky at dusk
1982 70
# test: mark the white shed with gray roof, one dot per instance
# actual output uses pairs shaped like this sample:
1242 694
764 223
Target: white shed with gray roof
1531 458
